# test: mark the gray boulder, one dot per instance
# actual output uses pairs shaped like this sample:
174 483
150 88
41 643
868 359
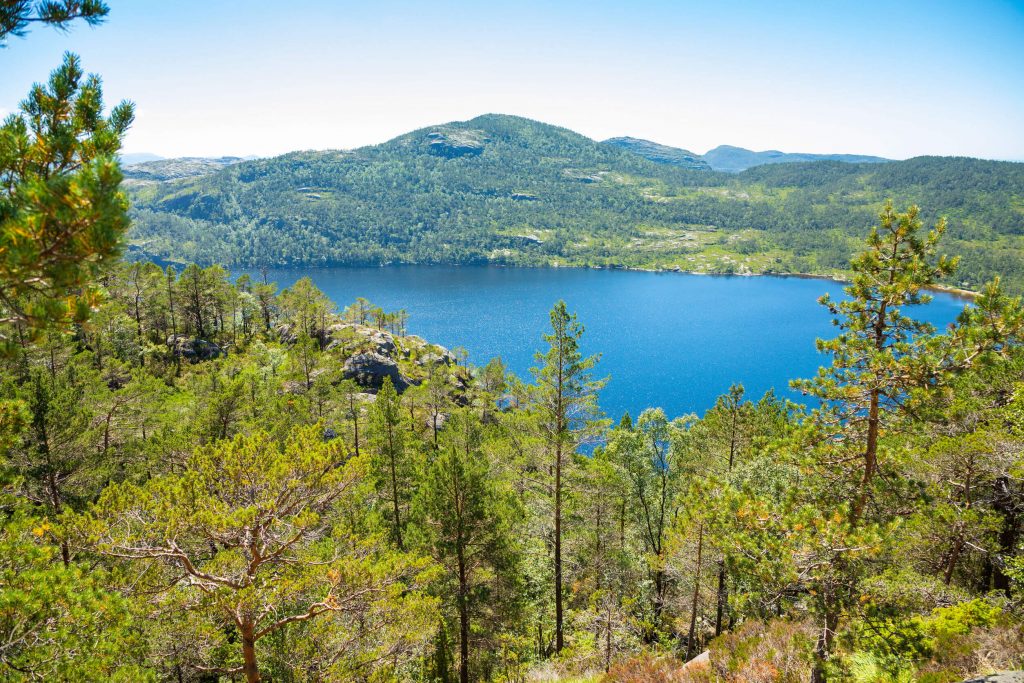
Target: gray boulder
194 349
285 334
370 369
380 342
439 356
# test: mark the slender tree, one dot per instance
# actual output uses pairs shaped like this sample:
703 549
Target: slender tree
564 396
392 465
466 520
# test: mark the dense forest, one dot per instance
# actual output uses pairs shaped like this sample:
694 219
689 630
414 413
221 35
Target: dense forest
507 190
210 479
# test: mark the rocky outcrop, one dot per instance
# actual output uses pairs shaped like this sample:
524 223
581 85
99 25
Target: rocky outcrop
456 143
369 370
370 338
438 356
660 154
193 349
173 169
1000 677
285 334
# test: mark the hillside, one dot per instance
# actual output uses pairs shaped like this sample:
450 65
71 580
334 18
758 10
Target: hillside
503 189
130 158
734 159
174 169
662 154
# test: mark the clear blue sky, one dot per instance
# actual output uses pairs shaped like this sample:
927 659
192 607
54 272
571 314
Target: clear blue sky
896 79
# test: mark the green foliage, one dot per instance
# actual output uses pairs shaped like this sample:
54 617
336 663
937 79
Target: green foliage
17 15
60 621
62 216
466 520
393 468
266 508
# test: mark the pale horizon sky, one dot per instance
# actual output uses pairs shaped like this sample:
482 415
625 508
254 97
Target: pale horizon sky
893 79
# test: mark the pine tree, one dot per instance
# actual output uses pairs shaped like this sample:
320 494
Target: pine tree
466 520
392 466
62 214
652 472
17 15
247 524
564 397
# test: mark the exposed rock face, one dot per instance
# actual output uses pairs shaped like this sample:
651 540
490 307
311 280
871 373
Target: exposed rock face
383 342
194 349
378 340
285 334
456 143
441 356
1000 677
370 369
172 169
661 154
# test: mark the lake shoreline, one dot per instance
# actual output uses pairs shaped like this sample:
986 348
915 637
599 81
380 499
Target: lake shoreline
958 292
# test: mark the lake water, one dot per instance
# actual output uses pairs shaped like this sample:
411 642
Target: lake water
666 339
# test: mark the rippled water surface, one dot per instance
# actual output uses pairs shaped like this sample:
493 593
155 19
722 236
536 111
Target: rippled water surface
665 339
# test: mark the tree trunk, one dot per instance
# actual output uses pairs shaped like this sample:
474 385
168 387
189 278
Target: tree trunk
824 646
954 557
559 636
355 422
608 639
394 500
659 593
870 459
249 667
723 597
170 304
691 637
463 622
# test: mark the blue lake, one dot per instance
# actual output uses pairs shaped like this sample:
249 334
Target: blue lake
666 339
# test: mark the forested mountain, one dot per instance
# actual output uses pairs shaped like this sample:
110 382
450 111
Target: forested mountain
735 159
503 189
726 157
662 154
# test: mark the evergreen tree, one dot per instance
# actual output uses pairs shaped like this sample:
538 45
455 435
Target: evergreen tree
17 15
564 397
467 521
392 465
246 524
62 215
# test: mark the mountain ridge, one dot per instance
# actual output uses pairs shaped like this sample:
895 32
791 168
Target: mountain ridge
735 159
508 190
659 153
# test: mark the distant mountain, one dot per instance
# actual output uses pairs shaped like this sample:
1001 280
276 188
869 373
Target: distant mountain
507 190
138 158
735 159
661 154
173 169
